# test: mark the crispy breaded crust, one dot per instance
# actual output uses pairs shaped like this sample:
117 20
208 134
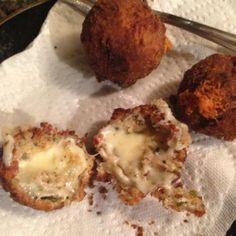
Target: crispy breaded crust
23 198
206 97
125 40
131 196
42 134
173 199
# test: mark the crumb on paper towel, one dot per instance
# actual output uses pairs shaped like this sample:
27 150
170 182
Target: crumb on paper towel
103 191
90 199
151 222
138 228
92 178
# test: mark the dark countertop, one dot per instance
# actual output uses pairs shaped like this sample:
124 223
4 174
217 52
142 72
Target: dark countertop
9 6
18 32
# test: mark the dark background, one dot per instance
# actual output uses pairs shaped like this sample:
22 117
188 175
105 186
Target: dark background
16 34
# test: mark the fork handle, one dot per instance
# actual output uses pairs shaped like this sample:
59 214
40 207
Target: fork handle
220 37
82 5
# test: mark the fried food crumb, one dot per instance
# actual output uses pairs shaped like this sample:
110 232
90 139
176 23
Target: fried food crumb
139 229
90 199
126 222
151 222
103 191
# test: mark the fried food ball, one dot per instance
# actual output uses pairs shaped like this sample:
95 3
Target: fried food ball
206 99
124 40
143 150
44 168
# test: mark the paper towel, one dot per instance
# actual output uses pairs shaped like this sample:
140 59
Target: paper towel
51 81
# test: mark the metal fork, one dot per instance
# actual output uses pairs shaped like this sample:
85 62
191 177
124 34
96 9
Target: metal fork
223 38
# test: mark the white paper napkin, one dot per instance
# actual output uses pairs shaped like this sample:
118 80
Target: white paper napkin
51 81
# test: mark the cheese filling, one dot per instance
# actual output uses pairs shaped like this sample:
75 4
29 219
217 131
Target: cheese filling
53 171
138 159
8 148
125 154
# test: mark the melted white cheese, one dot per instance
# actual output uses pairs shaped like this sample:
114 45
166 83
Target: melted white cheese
127 151
129 146
126 154
55 158
8 148
62 164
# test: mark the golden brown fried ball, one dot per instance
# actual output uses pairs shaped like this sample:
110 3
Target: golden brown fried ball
44 168
143 150
206 98
125 40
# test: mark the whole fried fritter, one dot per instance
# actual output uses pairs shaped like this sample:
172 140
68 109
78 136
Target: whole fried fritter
125 40
44 168
143 150
206 98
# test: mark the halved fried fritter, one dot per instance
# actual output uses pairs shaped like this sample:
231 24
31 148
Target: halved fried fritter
143 150
43 167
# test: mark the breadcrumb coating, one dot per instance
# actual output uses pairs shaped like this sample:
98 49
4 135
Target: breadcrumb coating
124 40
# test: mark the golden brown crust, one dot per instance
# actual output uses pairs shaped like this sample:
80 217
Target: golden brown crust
125 40
206 97
180 200
44 133
131 196
23 198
